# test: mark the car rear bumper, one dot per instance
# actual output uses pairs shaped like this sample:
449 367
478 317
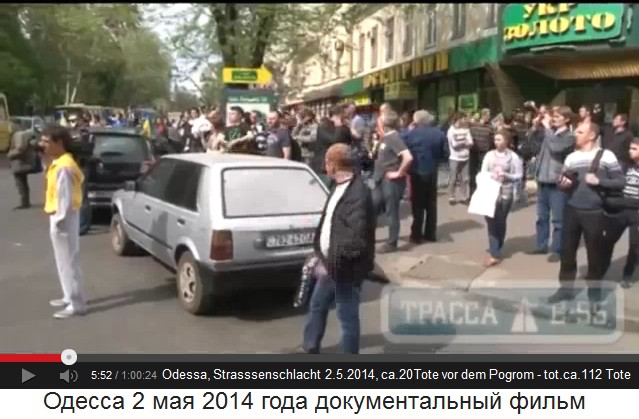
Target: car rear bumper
285 274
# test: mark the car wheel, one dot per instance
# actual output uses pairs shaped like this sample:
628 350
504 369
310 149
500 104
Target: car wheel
122 245
194 291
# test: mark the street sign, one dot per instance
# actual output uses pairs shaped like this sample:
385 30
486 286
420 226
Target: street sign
232 75
498 315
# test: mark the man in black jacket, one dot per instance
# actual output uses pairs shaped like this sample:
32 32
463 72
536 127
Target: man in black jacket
332 131
618 138
345 243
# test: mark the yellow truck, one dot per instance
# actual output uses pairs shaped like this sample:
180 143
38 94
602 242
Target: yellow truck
5 125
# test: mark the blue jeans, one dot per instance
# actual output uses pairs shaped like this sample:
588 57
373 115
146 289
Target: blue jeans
550 201
388 197
497 227
346 297
85 211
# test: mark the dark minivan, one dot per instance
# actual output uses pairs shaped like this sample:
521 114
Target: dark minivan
118 155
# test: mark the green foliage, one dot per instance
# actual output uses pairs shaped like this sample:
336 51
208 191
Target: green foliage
92 53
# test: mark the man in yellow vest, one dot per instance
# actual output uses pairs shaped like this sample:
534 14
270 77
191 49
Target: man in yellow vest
63 201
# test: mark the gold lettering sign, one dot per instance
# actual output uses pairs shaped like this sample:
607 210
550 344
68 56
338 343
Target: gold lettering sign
406 71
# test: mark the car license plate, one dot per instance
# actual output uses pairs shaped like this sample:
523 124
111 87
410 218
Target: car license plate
289 239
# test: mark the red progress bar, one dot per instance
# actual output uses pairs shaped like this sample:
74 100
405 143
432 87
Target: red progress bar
26 358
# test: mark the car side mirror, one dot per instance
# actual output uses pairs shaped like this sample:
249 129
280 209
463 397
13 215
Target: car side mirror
131 186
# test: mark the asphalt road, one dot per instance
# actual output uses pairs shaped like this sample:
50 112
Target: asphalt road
133 306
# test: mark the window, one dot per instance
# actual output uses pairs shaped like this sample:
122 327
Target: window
390 38
280 191
183 185
156 181
408 34
491 16
459 20
430 28
362 47
121 148
24 123
374 51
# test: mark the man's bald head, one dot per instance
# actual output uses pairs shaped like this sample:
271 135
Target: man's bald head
339 159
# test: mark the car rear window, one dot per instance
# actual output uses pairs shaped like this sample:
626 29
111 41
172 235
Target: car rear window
24 123
268 192
121 148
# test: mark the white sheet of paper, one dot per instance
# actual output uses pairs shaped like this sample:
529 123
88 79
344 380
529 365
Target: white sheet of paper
484 199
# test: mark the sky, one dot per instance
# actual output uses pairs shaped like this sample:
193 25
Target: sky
166 28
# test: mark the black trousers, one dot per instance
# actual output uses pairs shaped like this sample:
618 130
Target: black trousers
589 224
22 184
475 161
424 205
616 225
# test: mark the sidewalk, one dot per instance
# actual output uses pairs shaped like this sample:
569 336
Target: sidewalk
455 262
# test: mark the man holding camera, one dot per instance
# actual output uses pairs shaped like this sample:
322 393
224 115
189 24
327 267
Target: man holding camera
23 162
63 201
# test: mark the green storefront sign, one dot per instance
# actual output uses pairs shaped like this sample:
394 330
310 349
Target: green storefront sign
528 25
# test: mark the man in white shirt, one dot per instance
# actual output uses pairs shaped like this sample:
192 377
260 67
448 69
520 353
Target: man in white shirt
345 244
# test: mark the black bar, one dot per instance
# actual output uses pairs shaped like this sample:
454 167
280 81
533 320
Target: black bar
326 375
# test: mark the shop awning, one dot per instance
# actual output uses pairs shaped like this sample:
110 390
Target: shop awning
324 93
583 65
592 70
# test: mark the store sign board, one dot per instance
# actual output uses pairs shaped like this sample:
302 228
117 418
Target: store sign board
431 64
358 100
232 75
528 25
399 91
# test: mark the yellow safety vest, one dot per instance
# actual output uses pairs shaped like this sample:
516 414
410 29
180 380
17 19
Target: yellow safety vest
51 200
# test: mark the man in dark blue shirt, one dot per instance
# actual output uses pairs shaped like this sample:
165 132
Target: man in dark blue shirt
429 147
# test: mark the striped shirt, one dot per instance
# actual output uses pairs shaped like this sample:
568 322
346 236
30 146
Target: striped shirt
578 164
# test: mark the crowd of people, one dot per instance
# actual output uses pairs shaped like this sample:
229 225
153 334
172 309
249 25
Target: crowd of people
586 175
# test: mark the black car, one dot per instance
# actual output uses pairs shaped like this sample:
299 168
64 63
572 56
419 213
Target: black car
115 157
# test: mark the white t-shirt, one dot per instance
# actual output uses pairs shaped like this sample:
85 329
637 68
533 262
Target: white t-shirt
325 233
200 126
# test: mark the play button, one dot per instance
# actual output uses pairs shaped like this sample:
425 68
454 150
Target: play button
26 375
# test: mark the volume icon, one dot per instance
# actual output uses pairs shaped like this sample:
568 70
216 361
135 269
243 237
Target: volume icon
69 376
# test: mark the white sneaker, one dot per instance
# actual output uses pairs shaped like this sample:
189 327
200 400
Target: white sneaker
69 312
58 303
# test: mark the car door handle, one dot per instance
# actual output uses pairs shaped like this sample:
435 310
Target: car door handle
147 208
181 221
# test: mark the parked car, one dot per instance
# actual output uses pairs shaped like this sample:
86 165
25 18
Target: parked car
117 155
29 123
223 222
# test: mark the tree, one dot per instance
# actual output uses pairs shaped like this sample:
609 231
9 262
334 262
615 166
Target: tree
255 35
97 53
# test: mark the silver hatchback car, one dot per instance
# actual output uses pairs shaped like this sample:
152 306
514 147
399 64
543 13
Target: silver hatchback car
223 222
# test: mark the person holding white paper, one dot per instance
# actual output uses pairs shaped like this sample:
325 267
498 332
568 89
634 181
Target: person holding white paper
505 166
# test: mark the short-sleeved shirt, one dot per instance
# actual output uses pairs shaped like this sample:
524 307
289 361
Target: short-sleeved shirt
388 159
276 141
235 132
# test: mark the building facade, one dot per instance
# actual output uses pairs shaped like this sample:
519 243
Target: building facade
573 54
420 56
